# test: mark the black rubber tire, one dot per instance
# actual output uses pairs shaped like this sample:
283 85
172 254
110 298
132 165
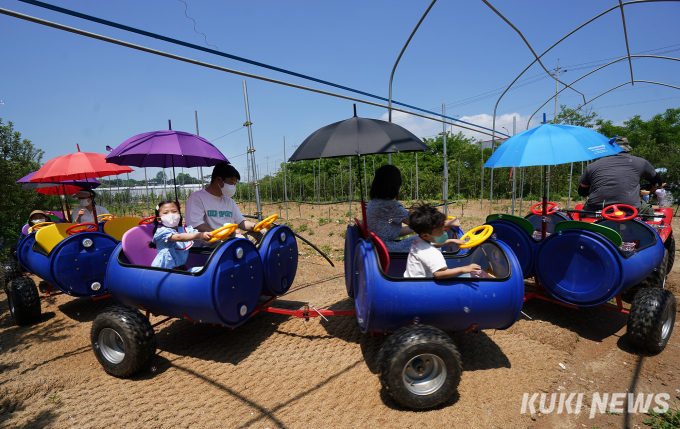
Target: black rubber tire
656 279
136 337
652 311
670 246
13 252
23 300
402 348
10 269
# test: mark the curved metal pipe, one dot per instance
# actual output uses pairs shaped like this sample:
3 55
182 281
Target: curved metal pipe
593 71
618 86
212 66
625 35
495 109
389 101
529 46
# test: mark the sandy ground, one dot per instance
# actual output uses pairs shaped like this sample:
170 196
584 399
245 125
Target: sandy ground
277 371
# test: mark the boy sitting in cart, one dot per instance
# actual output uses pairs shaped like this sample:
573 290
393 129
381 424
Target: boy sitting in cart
424 260
213 207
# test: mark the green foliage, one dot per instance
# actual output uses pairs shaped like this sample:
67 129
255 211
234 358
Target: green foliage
18 157
303 227
656 140
668 420
54 398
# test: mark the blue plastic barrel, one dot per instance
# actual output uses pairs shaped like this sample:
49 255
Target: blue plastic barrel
519 240
25 245
279 253
225 291
76 266
351 240
584 268
386 303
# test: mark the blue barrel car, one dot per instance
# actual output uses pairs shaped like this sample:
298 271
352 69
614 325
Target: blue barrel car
221 286
70 257
587 264
419 364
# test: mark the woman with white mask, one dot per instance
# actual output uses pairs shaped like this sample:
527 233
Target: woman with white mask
213 207
85 214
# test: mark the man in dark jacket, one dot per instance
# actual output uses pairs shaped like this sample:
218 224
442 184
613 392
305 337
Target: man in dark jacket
615 179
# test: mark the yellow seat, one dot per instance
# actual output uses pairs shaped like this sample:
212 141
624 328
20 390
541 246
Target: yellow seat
52 235
116 227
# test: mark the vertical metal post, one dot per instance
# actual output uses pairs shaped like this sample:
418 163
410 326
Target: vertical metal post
200 168
445 192
521 191
342 189
417 187
481 194
319 184
252 150
285 183
411 183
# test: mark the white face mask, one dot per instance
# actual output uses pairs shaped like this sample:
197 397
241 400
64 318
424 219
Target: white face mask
228 190
84 202
37 221
170 220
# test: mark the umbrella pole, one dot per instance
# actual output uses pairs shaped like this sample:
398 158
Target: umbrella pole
545 206
361 190
94 208
174 181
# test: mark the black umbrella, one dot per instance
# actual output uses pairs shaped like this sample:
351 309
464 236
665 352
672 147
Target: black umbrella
355 137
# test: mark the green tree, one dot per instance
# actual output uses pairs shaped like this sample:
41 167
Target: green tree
18 157
584 117
656 140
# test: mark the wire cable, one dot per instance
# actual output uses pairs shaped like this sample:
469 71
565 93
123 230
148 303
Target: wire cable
230 56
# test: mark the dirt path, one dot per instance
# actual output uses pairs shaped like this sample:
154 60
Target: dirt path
276 371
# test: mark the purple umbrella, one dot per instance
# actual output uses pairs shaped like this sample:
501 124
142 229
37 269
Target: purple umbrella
67 187
166 149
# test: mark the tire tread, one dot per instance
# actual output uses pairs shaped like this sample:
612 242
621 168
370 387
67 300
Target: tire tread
137 333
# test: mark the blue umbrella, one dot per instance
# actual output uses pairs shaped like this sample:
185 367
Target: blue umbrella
550 144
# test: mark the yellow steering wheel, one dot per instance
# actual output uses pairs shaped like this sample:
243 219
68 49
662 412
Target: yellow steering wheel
265 223
472 238
37 226
223 232
104 217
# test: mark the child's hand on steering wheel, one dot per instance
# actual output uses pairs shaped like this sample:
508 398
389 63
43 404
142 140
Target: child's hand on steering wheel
205 236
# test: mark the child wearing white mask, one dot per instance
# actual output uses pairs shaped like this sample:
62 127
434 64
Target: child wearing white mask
171 239
85 214
213 207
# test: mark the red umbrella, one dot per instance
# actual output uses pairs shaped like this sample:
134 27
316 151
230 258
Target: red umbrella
78 166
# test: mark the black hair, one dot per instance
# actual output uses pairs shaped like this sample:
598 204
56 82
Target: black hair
386 183
224 170
155 219
424 219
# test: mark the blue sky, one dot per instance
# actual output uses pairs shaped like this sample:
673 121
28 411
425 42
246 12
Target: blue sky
60 89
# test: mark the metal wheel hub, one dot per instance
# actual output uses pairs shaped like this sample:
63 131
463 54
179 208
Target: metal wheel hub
111 345
667 323
424 374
